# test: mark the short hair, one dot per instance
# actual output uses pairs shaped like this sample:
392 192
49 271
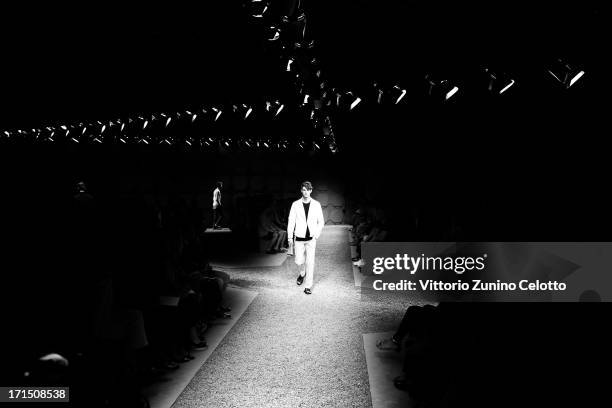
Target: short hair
219 184
306 184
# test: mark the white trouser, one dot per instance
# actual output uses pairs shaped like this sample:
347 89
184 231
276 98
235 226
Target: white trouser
305 251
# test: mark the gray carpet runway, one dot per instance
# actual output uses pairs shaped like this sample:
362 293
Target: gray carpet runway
294 350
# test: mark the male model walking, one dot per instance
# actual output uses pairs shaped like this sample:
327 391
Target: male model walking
217 206
305 224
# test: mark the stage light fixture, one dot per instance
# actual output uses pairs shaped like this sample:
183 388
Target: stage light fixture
258 8
273 33
441 88
499 82
218 111
243 110
355 100
398 93
208 142
48 134
146 140
274 106
379 95
333 147
565 73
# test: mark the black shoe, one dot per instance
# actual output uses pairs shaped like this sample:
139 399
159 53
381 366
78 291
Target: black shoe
307 291
300 280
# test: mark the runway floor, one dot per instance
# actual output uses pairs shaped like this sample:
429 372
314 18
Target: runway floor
290 349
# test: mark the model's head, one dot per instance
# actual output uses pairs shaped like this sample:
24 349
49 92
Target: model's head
81 186
306 189
219 184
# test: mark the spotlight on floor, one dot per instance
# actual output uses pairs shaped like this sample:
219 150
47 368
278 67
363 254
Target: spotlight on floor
565 73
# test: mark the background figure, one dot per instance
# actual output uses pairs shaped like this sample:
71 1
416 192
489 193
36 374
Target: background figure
217 206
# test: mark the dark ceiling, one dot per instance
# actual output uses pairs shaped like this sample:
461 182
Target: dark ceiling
101 61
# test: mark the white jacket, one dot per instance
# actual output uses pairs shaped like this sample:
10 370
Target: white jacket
297 220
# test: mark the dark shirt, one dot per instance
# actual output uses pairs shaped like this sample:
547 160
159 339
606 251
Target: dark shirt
307 237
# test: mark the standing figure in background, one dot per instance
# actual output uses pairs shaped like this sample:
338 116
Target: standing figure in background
217 206
305 224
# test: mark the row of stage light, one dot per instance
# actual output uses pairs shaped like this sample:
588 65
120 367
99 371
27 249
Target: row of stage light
188 129
183 127
315 100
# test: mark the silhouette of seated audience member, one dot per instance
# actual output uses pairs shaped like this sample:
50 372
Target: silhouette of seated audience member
272 229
